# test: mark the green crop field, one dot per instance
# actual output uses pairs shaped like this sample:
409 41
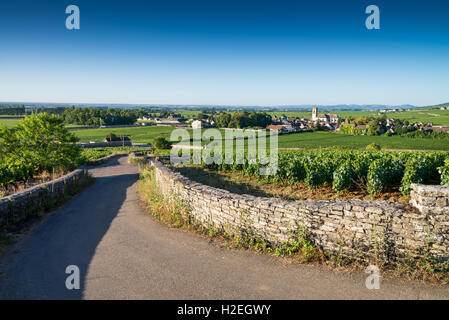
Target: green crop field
9 123
296 140
437 117
327 139
136 134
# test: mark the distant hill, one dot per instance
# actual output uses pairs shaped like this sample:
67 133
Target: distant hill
304 107
442 105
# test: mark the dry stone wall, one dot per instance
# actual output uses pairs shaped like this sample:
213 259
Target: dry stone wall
359 229
16 208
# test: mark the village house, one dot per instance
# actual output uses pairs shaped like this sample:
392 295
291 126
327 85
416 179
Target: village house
439 129
353 128
326 121
172 119
282 127
197 124
324 118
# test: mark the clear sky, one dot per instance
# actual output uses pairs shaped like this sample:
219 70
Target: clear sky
227 52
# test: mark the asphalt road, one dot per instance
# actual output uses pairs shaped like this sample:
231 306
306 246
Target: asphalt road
123 253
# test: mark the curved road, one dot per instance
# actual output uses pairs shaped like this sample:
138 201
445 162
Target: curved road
123 253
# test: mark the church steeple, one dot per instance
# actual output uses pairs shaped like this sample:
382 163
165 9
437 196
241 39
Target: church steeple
315 113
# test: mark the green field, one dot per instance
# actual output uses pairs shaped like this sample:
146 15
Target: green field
327 139
136 134
9 123
297 140
437 117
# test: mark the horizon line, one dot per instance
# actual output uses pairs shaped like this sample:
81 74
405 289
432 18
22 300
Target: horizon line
222 105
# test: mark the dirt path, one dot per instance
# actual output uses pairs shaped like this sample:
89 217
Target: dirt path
123 253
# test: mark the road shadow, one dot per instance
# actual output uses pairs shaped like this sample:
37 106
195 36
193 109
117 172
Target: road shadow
35 268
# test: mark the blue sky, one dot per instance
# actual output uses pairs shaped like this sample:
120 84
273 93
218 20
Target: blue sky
225 52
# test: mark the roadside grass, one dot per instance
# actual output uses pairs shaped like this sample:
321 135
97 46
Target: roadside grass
298 249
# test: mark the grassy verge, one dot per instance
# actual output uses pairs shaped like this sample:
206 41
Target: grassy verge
299 249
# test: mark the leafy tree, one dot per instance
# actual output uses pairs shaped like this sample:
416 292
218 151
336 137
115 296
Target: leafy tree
45 141
259 119
40 142
12 110
202 116
374 128
222 120
239 119
161 143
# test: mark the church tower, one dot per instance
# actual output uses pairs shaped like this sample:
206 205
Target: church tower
314 113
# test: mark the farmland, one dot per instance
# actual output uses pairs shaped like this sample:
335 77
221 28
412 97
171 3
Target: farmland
136 134
9 123
328 139
296 140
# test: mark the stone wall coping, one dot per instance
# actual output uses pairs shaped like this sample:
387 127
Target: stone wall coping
423 188
45 185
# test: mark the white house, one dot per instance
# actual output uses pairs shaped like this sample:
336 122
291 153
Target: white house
197 124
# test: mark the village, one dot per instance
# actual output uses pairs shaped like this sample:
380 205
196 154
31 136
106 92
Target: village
319 121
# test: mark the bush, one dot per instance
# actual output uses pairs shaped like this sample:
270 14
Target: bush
373 146
161 143
112 137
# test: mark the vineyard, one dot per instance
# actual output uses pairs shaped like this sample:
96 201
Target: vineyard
347 169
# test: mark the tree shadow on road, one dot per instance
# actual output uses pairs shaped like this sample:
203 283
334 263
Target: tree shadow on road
35 268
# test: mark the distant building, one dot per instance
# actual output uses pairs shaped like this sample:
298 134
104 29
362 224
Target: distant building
439 129
197 124
314 114
324 119
275 119
275 127
116 138
353 128
282 127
